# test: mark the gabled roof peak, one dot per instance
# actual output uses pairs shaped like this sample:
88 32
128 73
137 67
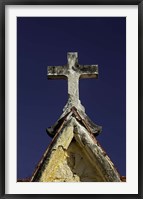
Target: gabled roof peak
76 129
80 116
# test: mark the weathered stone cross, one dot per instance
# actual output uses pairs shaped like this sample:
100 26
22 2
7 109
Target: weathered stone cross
73 72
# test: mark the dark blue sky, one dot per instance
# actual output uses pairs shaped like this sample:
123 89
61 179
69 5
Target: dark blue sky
42 42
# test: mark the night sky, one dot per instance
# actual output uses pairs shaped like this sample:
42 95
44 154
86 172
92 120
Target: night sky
45 41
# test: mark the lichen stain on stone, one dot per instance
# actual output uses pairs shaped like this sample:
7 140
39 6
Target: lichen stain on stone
57 156
68 163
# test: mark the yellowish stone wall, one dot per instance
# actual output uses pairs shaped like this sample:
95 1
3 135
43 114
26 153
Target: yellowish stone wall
68 162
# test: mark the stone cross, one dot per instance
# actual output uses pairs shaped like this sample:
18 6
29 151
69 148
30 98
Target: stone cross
73 72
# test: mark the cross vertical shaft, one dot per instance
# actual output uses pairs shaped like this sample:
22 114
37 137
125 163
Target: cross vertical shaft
73 78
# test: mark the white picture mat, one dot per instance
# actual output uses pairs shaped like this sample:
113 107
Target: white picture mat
11 184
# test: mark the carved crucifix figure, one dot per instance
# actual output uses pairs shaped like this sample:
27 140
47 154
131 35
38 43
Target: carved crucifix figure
73 72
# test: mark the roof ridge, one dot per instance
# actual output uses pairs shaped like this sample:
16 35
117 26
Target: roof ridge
81 117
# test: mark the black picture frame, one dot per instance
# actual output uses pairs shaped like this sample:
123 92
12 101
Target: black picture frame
3 3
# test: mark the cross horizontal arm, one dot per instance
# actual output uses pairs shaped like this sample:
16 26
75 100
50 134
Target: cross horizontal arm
57 72
88 71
